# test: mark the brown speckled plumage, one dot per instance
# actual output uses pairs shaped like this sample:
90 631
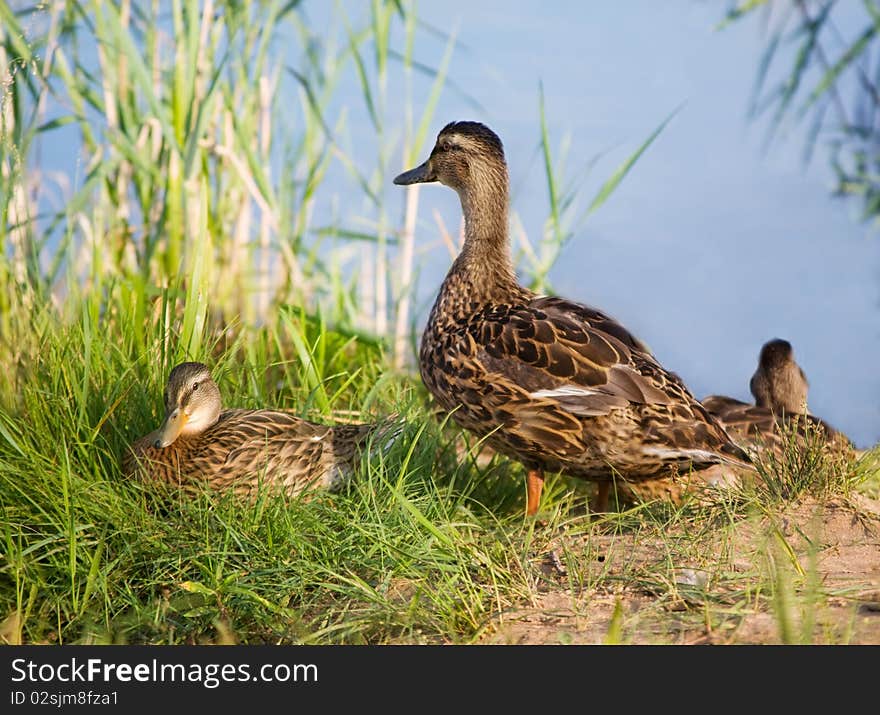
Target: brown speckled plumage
758 428
555 384
243 450
780 389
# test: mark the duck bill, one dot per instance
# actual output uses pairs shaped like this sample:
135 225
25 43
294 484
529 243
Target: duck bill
171 428
422 174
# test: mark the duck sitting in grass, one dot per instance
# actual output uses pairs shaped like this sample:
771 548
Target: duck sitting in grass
780 388
555 384
241 450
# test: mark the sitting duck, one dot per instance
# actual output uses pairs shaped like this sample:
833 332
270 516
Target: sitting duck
239 449
554 384
780 388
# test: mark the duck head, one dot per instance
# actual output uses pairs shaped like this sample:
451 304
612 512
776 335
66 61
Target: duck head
779 383
192 403
775 353
466 157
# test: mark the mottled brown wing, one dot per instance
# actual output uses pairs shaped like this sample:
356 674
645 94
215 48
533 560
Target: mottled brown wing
253 440
596 318
552 350
760 427
545 369
289 450
247 447
742 418
720 403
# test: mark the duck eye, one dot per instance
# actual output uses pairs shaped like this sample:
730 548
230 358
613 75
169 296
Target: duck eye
195 386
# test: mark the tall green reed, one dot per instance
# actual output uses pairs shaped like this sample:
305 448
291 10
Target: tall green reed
206 134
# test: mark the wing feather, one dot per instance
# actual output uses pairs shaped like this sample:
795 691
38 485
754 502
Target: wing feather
570 354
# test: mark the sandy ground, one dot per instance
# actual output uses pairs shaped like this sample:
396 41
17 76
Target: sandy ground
808 574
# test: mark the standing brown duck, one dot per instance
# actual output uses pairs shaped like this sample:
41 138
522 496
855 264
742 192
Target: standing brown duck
239 449
552 383
780 389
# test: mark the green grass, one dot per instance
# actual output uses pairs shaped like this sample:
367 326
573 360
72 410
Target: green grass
802 466
408 551
424 546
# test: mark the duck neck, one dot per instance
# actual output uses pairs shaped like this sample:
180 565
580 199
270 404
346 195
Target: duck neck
484 262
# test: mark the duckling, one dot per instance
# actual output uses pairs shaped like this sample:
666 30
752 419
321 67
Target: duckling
240 449
780 389
779 382
555 384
